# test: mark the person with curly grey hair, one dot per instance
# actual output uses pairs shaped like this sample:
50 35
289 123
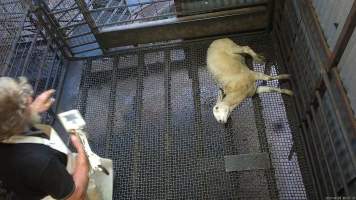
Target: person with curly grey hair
28 170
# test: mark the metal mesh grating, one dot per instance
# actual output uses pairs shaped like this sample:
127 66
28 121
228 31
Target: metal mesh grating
150 111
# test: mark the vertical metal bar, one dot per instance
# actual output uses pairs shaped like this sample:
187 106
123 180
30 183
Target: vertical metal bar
60 87
194 76
138 129
332 144
311 159
318 157
29 53
111 108
58 72
51 70
41 66
168 121
83 93
323 149
261 129
21 58
339 118
13 45
262 138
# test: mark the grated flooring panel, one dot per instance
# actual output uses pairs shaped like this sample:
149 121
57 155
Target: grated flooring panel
150 111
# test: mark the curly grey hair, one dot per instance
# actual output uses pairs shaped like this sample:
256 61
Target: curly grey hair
14 101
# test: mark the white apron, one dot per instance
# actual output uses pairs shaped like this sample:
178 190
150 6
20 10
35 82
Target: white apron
100 185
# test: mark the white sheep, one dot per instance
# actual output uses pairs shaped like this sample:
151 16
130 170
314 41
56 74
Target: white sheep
235 79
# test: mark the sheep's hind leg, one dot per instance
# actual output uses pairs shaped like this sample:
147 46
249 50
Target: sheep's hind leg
264 77
246 49
265 89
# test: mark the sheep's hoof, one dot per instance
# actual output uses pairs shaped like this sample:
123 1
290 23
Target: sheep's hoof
284 76
287 92
260 59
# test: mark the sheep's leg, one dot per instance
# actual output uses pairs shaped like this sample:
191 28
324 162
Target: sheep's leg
264 77
265 89
246 49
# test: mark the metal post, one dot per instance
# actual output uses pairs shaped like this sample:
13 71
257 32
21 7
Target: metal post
29 53
83 93
328 133
168 121
111 108
138 129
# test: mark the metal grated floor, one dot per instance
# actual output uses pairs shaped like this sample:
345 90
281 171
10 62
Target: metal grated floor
150 111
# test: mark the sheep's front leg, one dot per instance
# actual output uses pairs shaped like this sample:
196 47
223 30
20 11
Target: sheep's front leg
265 89
264 77
246 49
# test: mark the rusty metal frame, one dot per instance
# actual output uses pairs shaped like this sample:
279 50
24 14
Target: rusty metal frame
344 38
225 22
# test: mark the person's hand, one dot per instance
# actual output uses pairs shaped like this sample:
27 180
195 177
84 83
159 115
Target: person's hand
42 102
76 143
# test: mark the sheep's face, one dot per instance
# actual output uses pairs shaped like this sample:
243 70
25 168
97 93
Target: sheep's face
221 112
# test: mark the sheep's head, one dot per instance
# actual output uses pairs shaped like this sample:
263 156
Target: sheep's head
221 110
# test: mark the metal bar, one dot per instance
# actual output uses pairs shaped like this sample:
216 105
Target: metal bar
12 62
335 74
29 53
344 37
79 45
51 71
102 13
13 45
262 138
198 125
168 121
57 5
41 66
72 25
78 35
87 50
225 22
60 85
138 129
83 93
111 108
328 133
56 74
238 6
88 18
114 12
126 6
151 18
309 154
323 184
339 118
322 147
56 33
71 20
65 10
9 2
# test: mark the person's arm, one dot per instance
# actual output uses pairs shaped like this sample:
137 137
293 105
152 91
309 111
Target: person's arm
81 171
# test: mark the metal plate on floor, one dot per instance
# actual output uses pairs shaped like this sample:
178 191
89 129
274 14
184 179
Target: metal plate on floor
243 162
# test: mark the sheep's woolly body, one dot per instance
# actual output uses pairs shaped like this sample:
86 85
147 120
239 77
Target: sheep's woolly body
230 71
